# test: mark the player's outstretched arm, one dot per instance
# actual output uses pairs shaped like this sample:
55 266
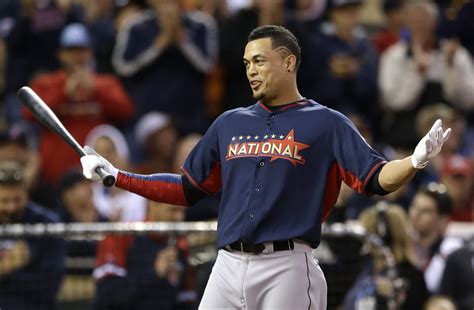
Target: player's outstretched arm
162 187
398 172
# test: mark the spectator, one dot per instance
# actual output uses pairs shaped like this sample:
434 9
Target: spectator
81 98
75 194
390 34
164 55
146 272
373 287
310 11
31 269
430 213
341 66
458 277
9 13
114 203
459 140
77 206
456 22
457 175
422 71
35 37
100 23
216 8
156 136
439 302
17 144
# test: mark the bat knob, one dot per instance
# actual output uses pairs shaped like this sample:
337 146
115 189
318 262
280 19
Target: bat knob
108 181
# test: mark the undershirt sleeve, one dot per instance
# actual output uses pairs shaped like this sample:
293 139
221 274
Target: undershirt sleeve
373 185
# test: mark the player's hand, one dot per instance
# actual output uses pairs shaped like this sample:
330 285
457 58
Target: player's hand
430 145
93 160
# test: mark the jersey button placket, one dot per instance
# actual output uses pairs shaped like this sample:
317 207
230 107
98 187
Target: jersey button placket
270 120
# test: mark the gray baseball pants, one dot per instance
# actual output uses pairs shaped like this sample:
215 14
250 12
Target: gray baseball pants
277 280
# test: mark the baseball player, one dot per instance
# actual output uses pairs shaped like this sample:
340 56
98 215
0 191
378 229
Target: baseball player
279 164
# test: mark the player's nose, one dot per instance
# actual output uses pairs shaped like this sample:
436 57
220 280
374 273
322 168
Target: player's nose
252 70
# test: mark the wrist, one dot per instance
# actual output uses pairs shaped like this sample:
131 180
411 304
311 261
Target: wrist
115 172
418 164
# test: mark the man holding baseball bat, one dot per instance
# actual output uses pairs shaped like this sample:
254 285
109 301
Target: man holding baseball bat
279 164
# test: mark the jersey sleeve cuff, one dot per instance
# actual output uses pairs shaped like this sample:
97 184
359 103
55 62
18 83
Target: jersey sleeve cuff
193 181
374 169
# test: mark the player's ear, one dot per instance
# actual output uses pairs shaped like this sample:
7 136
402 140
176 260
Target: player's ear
290 62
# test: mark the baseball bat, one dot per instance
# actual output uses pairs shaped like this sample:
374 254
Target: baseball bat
47 117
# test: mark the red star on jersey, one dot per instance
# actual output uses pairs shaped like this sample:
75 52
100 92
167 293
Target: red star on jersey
290 148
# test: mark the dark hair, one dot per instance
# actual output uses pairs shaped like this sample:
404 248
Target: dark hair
11 173
69 180
280 36
439 193
392 5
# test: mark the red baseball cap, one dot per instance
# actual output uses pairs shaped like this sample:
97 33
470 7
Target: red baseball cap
457 165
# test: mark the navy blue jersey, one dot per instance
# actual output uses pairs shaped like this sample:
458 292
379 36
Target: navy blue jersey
280 171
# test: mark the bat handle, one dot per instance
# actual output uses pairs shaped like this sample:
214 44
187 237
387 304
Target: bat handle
107 179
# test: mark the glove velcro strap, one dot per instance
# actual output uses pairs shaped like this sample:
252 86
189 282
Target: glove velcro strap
418 165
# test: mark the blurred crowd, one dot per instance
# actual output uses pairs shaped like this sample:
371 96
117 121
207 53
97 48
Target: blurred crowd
141 80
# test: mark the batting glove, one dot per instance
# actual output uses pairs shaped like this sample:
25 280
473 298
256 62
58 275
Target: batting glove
93 160
430 145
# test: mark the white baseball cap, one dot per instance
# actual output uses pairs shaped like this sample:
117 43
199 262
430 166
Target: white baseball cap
150 123
75 35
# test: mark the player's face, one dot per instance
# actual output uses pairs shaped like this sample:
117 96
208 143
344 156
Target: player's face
265 69
13 200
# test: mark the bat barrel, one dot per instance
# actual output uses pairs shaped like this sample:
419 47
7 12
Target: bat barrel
47 117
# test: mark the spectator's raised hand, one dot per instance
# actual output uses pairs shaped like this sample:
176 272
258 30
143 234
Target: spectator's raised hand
344 66
449 48
170 19
165 262
14 258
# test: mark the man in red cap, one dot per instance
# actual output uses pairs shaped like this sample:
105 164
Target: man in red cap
457 175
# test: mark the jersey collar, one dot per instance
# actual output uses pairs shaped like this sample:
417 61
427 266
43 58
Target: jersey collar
286 107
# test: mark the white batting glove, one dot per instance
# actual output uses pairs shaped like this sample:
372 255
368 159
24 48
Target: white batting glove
93 160
430 145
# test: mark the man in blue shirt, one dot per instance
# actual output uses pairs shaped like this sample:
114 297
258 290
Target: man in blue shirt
279 164
31 269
